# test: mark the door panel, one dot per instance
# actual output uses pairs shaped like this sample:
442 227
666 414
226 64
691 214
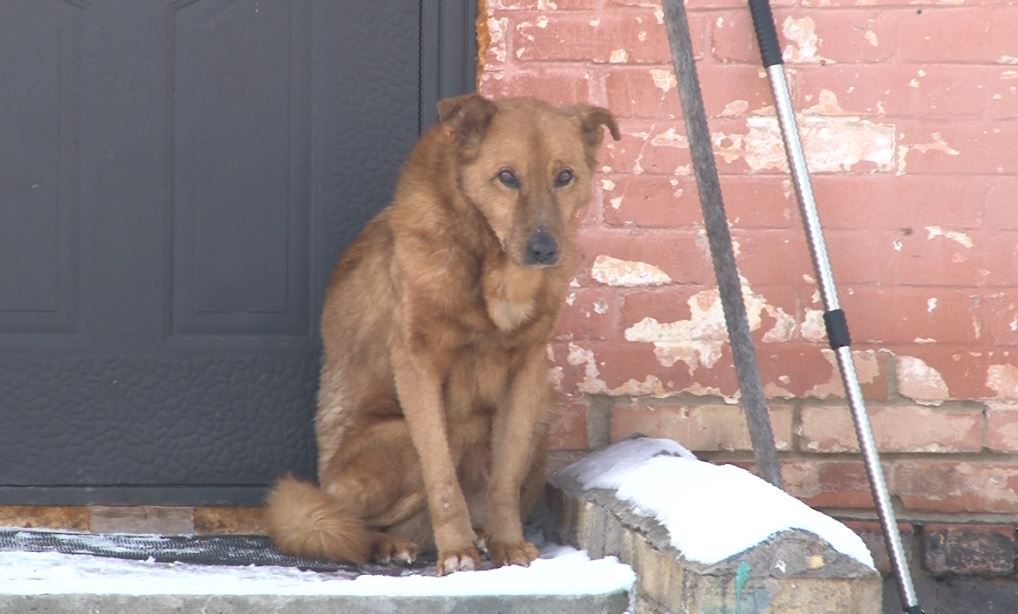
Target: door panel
176 181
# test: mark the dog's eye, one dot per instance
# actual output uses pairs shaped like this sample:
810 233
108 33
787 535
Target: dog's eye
563 178
508 179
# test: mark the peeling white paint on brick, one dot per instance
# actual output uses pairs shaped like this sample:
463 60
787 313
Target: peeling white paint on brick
1003 380
596 22
931 304
601 306
592 382
670 138
832 144
867 367
805 42
571 298
496 31
813 328
826 105
699 340
618 56
627 273
920 382
607 185
923 340
735 108
937 144
664 80
960 238
871 38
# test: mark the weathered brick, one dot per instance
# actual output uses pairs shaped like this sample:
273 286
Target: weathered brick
969 147
833 484
933 373
791 370
969 549
677 254
545 5
896 428
699 427
728 91
811 36
674 201
942 256
977 35
560 86
631 36
569 426
905 315
589 313
906 203
651 201
872 535
616 369
657 148
960 486
907 90
1000 202
1002 428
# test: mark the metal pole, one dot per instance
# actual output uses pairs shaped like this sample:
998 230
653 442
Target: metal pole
834 316
753 401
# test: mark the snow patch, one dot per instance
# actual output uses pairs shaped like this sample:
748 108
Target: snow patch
711 512
560 571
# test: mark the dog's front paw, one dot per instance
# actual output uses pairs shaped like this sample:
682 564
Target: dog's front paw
519 553
465 559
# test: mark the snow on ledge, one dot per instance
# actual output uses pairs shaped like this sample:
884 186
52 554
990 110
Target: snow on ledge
560 571
711 512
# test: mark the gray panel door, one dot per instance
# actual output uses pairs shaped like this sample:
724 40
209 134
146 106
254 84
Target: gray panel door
176 180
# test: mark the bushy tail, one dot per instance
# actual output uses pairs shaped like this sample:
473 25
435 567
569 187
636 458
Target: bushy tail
304 521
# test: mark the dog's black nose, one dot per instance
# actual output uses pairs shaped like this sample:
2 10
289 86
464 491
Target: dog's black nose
541 248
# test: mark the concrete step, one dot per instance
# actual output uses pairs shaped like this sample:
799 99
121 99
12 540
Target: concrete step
314 604
563 581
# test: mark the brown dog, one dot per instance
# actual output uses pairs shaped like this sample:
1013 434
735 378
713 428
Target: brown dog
434 398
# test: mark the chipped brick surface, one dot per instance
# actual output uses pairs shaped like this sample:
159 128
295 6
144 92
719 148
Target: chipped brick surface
907 112
969 549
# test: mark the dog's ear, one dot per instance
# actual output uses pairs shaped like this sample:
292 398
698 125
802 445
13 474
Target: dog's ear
591 120
465 117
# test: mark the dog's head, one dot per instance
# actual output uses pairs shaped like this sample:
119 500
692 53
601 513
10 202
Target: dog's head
526 166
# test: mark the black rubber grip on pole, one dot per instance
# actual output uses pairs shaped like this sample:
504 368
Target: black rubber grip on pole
766 35
837 329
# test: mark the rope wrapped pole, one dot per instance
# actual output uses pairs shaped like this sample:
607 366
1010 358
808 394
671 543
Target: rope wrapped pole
720 240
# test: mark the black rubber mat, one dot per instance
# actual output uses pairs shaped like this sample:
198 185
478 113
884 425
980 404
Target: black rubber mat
238 550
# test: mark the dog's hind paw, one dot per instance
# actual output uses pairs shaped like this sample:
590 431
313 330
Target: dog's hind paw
466 559
521 553
395 550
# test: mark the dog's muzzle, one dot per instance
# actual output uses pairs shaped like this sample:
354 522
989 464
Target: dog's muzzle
542 249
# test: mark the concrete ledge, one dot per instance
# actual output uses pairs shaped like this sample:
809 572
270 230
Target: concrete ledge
793 572
308 604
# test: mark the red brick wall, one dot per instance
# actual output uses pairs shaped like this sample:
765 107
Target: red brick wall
909 121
